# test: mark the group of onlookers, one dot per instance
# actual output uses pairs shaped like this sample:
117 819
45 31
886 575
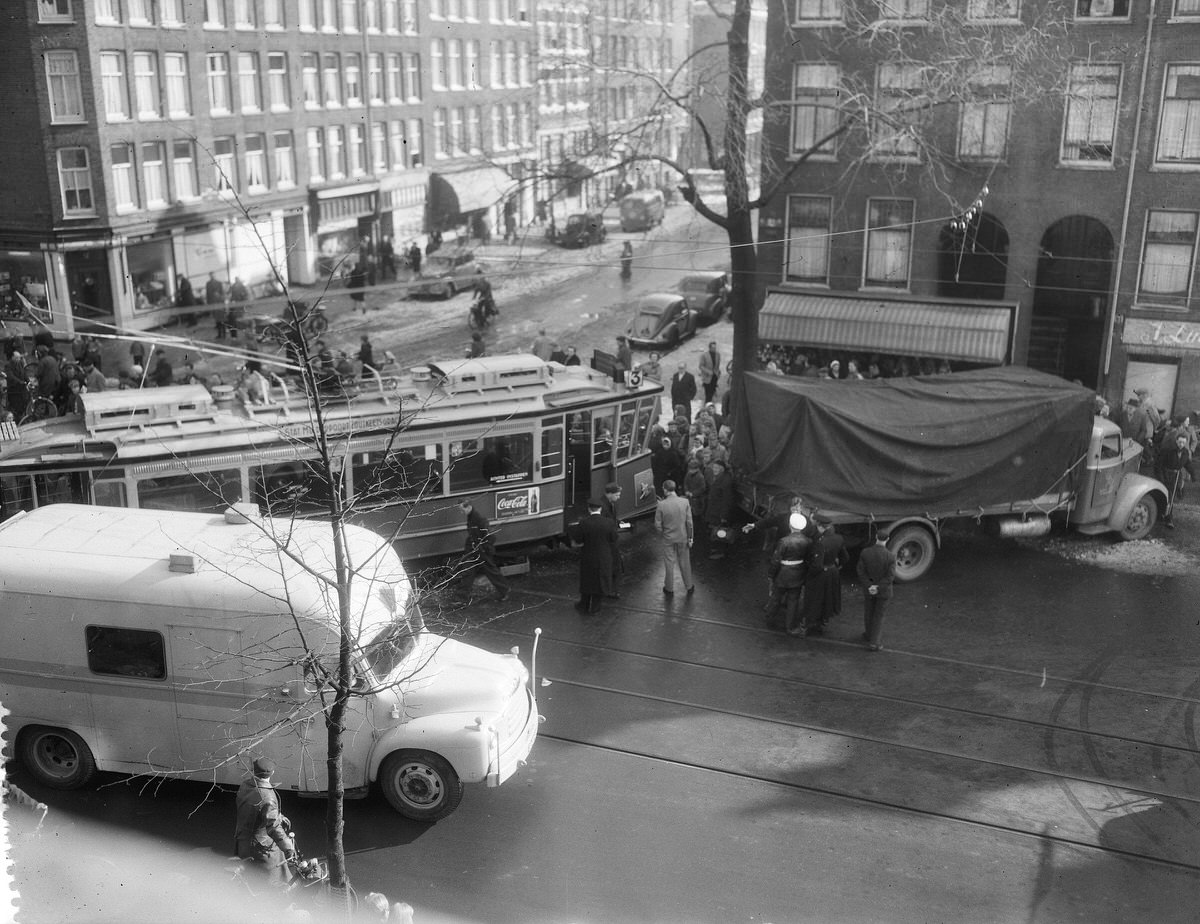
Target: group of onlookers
829 364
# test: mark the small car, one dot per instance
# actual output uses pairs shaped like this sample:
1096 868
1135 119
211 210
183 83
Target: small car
707 294
444 273
582 230
662 321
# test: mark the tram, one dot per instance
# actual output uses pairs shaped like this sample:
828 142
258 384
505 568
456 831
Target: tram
528 441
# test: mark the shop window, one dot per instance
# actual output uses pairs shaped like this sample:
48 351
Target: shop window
491 461
126 652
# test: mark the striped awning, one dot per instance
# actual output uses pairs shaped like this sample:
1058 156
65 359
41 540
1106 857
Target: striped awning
977 333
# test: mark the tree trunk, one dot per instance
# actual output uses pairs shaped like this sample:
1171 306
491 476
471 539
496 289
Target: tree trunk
739 227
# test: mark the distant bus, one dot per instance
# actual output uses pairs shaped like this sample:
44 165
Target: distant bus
528 441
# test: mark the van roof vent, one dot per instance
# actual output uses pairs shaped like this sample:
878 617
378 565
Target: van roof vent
182 562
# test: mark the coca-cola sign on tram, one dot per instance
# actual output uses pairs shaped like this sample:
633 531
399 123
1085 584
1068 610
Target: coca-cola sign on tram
519 503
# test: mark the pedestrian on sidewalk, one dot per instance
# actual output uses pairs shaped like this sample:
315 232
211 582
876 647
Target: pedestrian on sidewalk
877 573
1173 461
710 370
598 538
673 519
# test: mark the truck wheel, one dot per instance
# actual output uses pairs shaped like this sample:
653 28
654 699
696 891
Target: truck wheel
914 549
420 785
56 757
1141 519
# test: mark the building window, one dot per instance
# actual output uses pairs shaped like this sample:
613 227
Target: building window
510 64
249 88
337 153
408 17
112 86
349 15
124 188
397 143
412 77
472 64
375 77
808 225
140 13
154 174
441 143
219 89
454 64
1179 129
810 11
1091 120
495 63
329 15
256 164
1168 256
907 10
175 73
1101 9
893 134
474 140
66 97
55 11
437 54
75 180
183 169
278 84
354 95
285 160
307 15
224 165
457 141
983 124
214 14
310 80
145 84
170 13
988 10
108 11
889 242
814 107
1186 8
416 143
395 84
379 147
243 14
315 142
358 150
332 70
273 16
391 16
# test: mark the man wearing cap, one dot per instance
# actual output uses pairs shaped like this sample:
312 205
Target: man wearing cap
823 582
788 570
261 833
598 537
876 573
479 554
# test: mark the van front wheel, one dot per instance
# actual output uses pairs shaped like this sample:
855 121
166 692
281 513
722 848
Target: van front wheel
420 785
56 758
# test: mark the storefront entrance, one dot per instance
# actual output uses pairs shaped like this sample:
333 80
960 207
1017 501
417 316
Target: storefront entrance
90 285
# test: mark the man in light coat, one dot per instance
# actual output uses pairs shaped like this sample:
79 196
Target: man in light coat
673 518
710 370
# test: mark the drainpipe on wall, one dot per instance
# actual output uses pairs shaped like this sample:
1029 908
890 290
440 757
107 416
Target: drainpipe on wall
1133 161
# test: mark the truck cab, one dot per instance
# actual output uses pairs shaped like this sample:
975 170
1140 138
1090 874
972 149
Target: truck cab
1112 494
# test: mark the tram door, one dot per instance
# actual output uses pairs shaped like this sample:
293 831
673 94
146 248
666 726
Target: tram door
579 458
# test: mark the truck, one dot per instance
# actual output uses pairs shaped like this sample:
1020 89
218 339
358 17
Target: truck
185 645
1010 448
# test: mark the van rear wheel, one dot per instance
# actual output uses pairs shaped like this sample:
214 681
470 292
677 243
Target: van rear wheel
420 785
56 757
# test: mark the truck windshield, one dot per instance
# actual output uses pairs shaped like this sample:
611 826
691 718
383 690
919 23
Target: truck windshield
384 653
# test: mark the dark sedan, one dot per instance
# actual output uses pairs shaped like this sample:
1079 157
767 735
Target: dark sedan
707 294
662 321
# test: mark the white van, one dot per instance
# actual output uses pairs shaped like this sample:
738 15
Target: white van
186 644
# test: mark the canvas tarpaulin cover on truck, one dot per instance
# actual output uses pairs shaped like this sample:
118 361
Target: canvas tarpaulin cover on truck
924 444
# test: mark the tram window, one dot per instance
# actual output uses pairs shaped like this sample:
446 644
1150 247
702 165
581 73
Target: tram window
62 488
602 445
552 452
645 418
125 652
625 433
16 494
290 487
411 473
205 492
109 493
493 460
581 429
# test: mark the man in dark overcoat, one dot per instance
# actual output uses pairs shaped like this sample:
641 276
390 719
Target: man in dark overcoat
876 573
598 537
823 583
683 389
479 554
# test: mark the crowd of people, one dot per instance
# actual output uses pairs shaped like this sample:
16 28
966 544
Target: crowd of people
41 380
780 359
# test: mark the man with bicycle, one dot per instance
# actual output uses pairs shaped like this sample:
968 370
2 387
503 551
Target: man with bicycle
262 830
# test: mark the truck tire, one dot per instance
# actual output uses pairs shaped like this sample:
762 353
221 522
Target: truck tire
914 549
56 757
1141 519
420 785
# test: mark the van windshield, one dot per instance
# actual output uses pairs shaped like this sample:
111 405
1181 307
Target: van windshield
384 653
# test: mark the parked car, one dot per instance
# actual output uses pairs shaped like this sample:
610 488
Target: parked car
641 211
445 273
706 293
582 230
662 321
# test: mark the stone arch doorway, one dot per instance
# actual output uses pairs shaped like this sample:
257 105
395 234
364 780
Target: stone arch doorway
1070 299
973 261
